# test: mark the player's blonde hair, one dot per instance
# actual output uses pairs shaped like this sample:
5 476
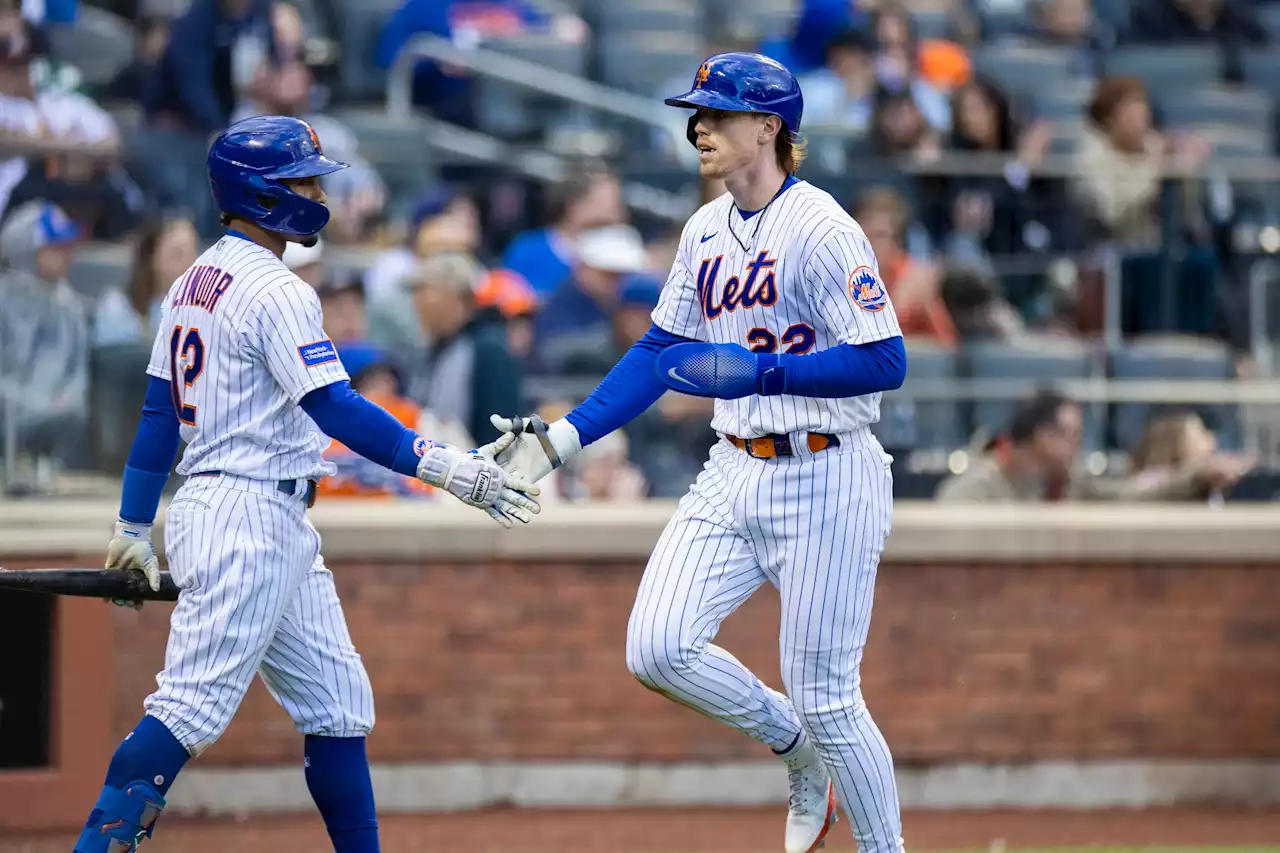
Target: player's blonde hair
791 150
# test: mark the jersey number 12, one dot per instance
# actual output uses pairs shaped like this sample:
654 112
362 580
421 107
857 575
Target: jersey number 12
188 349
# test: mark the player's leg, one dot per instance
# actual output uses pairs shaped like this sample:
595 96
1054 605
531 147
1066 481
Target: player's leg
229 552
830 537
314 672
701 571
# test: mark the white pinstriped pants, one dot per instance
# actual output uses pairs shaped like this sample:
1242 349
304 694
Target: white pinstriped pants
256 598
813 525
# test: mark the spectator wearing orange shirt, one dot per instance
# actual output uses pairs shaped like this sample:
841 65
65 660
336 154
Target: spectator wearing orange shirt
913 285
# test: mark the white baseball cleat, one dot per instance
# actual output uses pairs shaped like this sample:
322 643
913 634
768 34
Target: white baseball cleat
812 804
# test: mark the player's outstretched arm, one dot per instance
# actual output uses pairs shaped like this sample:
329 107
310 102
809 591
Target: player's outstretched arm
631 387
473 477
155 445
730 371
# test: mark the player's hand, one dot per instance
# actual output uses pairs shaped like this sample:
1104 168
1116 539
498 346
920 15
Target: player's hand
723 371
130 550
537 447
474 478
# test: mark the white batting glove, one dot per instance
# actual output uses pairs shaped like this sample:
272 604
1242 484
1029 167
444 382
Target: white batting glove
130 550
474 478
540 447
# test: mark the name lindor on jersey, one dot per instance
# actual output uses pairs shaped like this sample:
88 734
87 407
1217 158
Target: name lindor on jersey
202 287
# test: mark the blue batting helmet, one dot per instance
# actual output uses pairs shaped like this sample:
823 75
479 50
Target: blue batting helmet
744 83
250 159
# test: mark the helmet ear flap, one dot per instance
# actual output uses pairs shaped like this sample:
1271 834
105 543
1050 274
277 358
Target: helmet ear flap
690 132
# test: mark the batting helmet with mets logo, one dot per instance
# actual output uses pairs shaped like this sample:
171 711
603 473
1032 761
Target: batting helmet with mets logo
744 83
249 163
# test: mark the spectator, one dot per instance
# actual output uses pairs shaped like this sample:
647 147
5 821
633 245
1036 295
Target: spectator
842 93
600 473
150 37
505 296
1072 25
346 323
805 48
913 285
163 251
444 220
356 476
1231 24
997 214
1036 461
44 333
899 128
927 70
356 194
467 372
1179 453
1118 186
446 90
592 198
573 334
191 96
973 300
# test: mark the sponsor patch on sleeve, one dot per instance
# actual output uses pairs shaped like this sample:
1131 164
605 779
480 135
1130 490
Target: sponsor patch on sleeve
866 290
320 352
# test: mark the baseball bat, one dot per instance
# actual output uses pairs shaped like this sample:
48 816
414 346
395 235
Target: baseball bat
89 583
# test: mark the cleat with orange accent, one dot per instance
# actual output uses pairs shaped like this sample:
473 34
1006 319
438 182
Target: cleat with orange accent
812 803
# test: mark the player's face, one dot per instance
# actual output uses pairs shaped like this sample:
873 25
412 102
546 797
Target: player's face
308 188
728 141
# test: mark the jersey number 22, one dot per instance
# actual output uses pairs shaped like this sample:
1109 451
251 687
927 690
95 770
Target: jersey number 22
188 349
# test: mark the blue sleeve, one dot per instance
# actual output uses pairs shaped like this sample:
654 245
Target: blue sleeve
414 17
188 64
842 371
155 445
364 426
630 388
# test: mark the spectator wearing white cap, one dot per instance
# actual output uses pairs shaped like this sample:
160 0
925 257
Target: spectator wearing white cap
466 372
307 262
573 334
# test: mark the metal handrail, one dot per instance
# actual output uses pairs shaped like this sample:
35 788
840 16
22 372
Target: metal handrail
524 74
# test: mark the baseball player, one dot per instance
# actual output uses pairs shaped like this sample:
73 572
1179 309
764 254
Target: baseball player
775 307
242 371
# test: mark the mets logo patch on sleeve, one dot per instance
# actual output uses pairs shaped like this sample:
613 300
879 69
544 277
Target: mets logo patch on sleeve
320 352
866 290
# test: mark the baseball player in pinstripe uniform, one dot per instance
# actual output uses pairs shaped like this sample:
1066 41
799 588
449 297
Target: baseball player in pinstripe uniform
242 371
775 307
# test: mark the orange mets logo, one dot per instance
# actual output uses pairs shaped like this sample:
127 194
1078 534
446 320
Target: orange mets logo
867 290
704 74
315 139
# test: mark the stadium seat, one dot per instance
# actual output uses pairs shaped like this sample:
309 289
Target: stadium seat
1022 70
1262 70
1167 69
117 387
1171 357
360 23
630 16
99 43
397 149
933 24
1041 363
1247 109
98 267
643 62
1066 102
910 424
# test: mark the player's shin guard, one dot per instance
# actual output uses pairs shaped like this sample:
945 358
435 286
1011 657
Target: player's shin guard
121 818
338 777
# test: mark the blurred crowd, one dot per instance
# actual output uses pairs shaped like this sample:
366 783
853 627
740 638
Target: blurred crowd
466 302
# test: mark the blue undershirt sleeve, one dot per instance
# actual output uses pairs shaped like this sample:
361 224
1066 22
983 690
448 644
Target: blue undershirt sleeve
363 426
155 445
631 387
841 371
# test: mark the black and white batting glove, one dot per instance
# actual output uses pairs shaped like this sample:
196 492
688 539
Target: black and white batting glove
474 478
539 448
130 550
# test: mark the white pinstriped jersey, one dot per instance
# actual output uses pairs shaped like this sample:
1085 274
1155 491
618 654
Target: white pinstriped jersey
797 277
241 339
